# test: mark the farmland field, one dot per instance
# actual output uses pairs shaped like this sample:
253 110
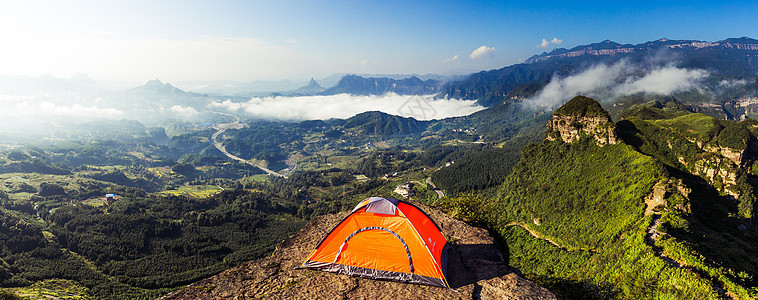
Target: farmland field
194 191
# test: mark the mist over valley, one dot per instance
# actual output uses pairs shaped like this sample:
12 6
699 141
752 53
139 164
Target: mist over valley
307 150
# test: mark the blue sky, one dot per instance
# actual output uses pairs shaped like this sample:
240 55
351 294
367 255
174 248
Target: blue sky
271 40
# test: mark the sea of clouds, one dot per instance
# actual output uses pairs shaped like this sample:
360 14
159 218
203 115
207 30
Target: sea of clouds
345 105
40 110
606 82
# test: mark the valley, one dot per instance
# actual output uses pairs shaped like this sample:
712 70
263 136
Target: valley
607 195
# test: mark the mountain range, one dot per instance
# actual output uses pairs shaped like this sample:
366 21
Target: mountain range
357 85
635 195
735 57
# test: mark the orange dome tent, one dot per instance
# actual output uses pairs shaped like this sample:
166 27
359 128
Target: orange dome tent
384 239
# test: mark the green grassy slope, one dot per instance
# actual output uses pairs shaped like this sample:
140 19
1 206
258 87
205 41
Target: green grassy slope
572 216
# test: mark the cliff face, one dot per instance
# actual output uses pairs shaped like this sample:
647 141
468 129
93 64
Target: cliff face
582 116
476 271
570 128
720 166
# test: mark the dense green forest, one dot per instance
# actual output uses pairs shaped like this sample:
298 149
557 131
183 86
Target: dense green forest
182 210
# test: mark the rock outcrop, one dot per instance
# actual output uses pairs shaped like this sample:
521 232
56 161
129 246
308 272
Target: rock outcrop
737 156
582 116
720 166
668 194
476 271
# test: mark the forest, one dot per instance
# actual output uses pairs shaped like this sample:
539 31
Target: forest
182 210
570 216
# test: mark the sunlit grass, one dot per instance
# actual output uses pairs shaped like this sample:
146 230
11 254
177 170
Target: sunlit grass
194 191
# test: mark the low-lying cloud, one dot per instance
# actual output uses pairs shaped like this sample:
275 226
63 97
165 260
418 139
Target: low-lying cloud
733 83
20 106
607 82
184 111
663 81
342 106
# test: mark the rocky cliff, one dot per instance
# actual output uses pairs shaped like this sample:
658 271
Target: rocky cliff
477 270
582 116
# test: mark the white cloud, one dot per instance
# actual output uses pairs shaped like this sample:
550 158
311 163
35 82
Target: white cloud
451 59
546 43
606 82
559 90
367 62
662 81
338 106
184 111
482 51
732 83
26 107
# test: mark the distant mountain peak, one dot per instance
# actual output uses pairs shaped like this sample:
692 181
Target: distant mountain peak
82 80
663 40
311 88
313 84
156 85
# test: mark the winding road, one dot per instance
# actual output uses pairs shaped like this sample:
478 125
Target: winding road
235 125
440 194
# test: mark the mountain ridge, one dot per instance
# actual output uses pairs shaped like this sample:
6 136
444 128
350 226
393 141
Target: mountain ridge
358 85
727 58
612 48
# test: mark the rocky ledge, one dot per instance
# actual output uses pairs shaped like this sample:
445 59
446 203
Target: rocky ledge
476 271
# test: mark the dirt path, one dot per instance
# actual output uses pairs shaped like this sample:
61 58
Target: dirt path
653 234
536 235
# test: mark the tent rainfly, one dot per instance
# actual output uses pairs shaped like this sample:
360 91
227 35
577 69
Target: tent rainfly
384 239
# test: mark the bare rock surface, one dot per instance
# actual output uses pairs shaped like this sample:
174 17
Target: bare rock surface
570 128
476 271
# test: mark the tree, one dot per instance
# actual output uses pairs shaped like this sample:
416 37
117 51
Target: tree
17 155
183 168
50 189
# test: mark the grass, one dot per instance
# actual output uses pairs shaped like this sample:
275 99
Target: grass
194 191
97 202
589 200
696 126
54 289
162 172
260 177
626 269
